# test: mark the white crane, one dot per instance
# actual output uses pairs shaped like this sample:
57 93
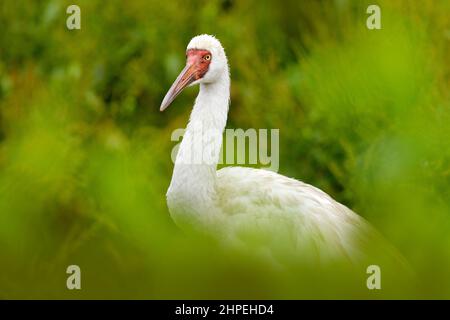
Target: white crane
260 209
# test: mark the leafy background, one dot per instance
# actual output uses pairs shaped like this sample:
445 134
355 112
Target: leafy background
85 153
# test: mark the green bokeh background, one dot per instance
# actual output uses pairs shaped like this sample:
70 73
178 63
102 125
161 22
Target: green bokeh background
85 153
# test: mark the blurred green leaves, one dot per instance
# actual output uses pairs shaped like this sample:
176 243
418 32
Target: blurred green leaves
85 153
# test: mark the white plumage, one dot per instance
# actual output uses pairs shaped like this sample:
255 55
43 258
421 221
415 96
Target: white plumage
264 211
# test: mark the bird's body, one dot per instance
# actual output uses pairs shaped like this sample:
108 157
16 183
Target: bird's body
295 217
266 211
263 210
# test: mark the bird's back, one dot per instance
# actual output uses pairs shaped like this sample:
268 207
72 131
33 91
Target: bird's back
288 219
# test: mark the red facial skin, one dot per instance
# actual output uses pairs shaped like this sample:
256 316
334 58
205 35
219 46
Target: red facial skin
199 59
197 65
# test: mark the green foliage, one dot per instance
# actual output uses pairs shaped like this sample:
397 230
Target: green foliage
85 153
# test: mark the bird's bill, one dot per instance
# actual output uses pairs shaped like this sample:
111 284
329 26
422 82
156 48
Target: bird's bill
184 79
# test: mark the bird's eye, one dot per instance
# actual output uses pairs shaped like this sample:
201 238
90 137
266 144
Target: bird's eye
207 57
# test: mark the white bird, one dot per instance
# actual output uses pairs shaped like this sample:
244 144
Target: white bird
257 208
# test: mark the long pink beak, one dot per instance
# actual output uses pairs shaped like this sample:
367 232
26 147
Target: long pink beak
185 78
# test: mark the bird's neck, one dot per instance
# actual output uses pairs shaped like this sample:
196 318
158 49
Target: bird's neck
192 191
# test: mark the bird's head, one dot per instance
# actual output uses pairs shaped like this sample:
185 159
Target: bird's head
205 63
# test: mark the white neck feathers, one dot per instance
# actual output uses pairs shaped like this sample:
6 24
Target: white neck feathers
192 190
